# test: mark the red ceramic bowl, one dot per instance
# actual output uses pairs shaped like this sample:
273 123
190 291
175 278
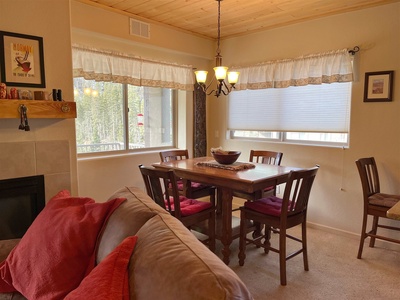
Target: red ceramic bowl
226 159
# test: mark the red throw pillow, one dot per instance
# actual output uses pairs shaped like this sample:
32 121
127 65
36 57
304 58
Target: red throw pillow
109 280
58 250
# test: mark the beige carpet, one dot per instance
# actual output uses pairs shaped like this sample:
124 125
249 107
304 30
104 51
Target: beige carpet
335 272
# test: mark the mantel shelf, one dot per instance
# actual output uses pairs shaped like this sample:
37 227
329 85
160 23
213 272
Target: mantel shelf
38 109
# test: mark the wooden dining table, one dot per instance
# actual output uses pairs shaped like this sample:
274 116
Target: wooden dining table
253 178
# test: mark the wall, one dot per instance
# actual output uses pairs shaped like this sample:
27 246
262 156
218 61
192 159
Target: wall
100 176
336 199
51 20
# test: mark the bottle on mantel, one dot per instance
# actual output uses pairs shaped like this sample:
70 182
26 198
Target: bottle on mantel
3 91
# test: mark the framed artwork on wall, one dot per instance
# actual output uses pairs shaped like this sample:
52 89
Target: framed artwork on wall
378 86
21 60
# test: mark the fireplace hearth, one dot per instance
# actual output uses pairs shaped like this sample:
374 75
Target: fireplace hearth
21 200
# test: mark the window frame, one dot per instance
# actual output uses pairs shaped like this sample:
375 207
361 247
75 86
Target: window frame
282 139
127 150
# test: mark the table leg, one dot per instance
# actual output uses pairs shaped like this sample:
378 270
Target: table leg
226 238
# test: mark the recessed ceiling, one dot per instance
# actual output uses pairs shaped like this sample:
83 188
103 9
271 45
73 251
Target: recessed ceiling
238 17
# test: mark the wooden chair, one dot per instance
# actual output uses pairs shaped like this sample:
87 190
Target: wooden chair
161 186
264 157
268 211
376 203
192 190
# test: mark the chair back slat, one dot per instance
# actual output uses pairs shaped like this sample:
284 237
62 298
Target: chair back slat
160 186
266 157
369 176
297 191
172 155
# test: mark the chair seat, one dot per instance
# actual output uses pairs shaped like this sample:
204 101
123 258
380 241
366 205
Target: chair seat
382 199
270 206
189 206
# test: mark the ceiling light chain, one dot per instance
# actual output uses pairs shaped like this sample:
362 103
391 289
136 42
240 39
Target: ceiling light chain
220 71
219 27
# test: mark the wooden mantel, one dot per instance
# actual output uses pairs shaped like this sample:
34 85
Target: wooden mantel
36 109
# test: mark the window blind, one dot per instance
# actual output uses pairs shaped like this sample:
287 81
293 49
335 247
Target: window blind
310 108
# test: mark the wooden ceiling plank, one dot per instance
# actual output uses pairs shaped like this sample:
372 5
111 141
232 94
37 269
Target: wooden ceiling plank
238 17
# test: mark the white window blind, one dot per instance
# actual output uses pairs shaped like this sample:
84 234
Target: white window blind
310 108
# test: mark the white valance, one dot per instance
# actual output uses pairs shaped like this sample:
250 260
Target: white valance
100 65
329 67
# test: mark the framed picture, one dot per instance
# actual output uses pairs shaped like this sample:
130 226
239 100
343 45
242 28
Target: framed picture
378 86
21 60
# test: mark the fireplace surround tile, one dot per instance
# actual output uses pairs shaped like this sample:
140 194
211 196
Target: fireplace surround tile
48 158
17 160
55 183
52 157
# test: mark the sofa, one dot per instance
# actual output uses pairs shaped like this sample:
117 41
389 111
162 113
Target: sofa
167 262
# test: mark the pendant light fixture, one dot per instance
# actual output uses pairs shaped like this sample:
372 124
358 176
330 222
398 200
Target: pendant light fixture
221 72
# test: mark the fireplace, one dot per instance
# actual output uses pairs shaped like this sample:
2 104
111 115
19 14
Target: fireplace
21 200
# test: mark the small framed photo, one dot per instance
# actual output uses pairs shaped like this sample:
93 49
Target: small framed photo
378 86
21 60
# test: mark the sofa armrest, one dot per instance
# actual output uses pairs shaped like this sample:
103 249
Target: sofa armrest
6 246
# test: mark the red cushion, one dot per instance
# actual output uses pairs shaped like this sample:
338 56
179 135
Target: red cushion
58 250
109 280
189 206
270 188
194 185
270 206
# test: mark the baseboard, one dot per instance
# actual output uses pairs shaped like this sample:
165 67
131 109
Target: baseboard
378 243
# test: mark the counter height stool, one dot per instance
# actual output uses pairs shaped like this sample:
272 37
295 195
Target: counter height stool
278 215
161 186
192 190
376 203
264 157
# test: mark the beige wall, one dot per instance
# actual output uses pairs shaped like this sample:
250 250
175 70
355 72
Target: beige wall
336 199
51 20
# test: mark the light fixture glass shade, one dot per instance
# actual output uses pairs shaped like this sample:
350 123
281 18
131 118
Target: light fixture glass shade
201 76
233 77
220 72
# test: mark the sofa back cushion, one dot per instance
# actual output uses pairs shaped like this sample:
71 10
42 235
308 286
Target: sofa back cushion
169 262
126 219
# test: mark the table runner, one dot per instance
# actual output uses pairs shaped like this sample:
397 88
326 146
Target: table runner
236 166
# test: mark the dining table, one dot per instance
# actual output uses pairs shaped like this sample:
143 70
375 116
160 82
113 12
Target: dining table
239 176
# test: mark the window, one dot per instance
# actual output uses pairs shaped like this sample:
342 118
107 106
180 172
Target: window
122 117
310 114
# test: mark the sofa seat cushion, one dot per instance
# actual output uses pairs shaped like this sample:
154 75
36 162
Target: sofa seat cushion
6 246
170 263
127 219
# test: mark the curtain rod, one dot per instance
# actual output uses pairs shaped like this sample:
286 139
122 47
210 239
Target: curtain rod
354 50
